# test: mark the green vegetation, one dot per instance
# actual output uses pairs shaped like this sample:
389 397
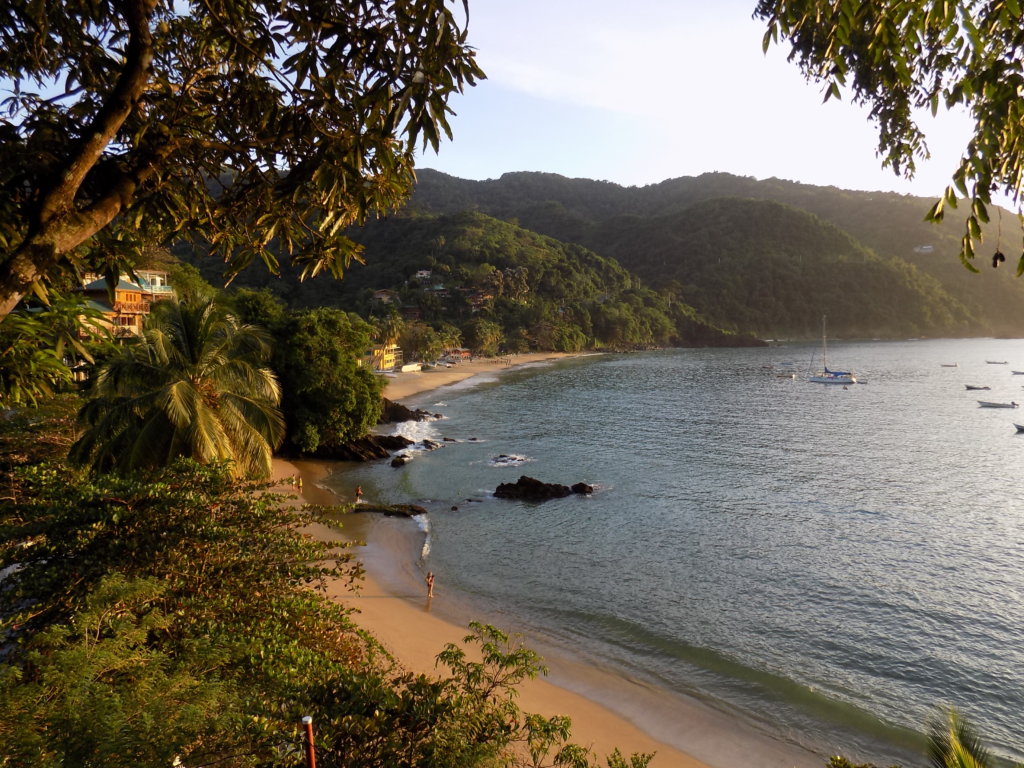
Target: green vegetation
503 288
778 271
183 618
686 225
900 58
234 124
193 385
39 346
329 399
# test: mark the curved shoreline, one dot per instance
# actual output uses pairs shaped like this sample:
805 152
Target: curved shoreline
408 628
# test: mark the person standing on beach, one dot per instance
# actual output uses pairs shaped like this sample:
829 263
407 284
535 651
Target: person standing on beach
430 584
359 493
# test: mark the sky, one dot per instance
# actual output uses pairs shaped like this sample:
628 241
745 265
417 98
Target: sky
639 91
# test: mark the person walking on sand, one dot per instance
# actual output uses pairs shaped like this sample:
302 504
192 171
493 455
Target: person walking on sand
430 583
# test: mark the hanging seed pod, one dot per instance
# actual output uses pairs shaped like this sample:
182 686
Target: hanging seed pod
997 257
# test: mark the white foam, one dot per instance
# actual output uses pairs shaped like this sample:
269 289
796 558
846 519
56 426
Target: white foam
418 431
423 523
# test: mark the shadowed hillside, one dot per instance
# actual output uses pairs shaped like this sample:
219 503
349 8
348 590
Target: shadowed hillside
922 255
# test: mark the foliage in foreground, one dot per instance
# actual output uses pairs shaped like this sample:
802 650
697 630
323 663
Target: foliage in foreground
184 618
236 122
194 385
900 58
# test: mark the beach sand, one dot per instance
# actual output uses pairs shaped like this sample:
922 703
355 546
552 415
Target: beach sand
415 635
403 385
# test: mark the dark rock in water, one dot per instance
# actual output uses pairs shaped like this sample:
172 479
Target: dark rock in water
454 508
582 488
392 510
366 448
531 489
395 412
474 501
430 445
507 460
399 461
449 439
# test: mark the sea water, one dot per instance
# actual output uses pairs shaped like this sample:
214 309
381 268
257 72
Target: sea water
830 565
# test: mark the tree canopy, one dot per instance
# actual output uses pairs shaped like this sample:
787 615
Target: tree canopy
194 385
900 58
256 128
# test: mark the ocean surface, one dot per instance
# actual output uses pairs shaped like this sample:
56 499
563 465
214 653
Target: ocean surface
826 565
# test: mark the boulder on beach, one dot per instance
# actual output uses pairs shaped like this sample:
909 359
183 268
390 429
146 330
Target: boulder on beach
400 461
531 489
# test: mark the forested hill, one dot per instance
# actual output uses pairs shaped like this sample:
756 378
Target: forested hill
890 225
778 271
491 279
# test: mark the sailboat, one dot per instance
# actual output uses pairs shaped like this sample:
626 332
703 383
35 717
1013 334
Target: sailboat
825 376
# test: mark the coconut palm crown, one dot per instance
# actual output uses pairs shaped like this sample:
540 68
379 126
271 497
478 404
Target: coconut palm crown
193 385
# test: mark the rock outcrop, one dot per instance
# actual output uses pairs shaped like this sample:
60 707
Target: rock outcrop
531 489
366 448
395 412
391 510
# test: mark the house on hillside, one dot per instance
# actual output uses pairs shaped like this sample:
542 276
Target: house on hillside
131 302
479 299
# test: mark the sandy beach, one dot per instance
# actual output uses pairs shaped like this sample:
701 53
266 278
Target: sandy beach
403 385
415 635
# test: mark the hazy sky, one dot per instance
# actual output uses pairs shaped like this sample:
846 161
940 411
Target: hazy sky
639 91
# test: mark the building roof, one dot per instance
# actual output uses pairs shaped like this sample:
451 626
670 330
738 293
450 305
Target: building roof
101 285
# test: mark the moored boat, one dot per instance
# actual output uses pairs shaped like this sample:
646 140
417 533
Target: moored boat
826 376
987 404
972 386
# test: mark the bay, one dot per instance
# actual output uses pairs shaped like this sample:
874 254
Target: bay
827 564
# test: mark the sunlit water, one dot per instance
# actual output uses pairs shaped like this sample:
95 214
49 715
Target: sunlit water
832 564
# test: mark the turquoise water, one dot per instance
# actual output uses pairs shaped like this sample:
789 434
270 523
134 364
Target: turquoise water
828 564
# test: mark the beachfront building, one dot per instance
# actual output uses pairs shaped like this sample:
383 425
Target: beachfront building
457 354
384 357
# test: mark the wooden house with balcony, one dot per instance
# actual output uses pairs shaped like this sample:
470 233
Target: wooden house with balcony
130 302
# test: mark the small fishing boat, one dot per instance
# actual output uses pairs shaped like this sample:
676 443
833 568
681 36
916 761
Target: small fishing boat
952 365
972 386
987 404
996 362
1020 427
1017 373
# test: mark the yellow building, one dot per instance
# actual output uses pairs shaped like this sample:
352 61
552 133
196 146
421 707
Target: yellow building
384 357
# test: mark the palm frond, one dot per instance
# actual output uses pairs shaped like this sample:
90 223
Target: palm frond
953 743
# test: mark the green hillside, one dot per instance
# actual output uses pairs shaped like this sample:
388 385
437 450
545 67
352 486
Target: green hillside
778 271
890 225
479 274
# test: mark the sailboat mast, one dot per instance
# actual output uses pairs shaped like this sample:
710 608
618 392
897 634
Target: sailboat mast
824 347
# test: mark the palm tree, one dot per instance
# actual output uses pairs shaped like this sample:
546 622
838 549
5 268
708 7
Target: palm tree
192 386
953 743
